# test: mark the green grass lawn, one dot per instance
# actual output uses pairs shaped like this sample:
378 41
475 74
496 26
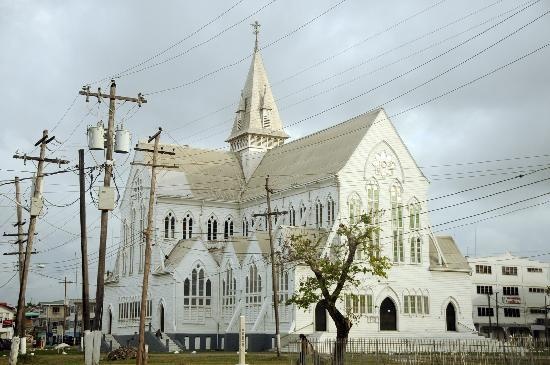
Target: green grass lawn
213 358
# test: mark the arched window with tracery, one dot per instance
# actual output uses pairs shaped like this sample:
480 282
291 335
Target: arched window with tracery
284 310
141 237
397 223
318 213
229 290
169 226
303 218
212 229
197 296
416 249
245 227
253 293
373 208
131 248
331 211
354 203
414 215
227 228
291 215
187 226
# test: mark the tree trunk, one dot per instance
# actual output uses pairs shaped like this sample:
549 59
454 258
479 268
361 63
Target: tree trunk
343 326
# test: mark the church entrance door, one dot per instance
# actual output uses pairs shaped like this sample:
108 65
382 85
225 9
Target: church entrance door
320 318
388 316
451 317
162 318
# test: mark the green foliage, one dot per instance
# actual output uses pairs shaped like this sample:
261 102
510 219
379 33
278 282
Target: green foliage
334 265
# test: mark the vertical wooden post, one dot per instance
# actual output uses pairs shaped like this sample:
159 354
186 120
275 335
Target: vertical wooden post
141 358
274 274
37 194
100 289
20 238
83 244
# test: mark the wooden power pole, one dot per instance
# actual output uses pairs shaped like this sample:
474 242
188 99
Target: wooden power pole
100 289
83 245
141 358
65 282
274 271
35 209
19 223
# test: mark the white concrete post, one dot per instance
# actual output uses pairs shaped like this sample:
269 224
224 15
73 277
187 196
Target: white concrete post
23 346
242 342
88 343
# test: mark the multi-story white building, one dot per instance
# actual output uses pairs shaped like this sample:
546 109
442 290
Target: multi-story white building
509 294
209 261
7 317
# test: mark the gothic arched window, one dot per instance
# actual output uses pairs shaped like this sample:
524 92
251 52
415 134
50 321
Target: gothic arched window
303 218
291 215
229 290
197 296
354 203
169 225
397 223
227 228
245 227
318 214
253 290
416 250
414 215
331 211
187 226
373 206
212 229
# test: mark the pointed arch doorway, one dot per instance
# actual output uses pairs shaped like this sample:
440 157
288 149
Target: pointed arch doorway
388 315
450 314
320 318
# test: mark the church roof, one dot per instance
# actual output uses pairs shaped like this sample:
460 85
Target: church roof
451 257
201 173
256 97
315 157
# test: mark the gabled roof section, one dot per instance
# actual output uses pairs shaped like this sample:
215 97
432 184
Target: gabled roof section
200 174
315 157
451 257
256 97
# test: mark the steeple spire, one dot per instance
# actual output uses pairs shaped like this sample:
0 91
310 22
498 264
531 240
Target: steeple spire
256 25
258 126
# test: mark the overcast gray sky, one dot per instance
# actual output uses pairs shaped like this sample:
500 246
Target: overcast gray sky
318 54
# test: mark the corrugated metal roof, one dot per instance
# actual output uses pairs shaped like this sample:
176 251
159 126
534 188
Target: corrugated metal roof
317 156
452 258
203 174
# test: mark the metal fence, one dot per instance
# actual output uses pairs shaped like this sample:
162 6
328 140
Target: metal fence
419 352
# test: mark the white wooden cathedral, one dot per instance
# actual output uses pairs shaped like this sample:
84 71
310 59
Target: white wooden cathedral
210 259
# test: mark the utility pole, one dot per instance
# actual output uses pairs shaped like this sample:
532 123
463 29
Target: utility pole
65 282
141 357
489 314
496 309
274 271
19 223
83 245
35 209
546 294
105 212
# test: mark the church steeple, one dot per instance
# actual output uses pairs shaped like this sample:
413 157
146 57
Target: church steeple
257 126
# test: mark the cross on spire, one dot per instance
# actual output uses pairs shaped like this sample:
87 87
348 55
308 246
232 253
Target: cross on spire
256 31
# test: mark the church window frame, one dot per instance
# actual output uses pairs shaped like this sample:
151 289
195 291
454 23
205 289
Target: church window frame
318 213
197 296
414 215
291 215
253 293
229 293
303 217
354 208
169 225
416 249
187 226
246 231
373 208
141 235
397 223
331 210
284 295
212 229
228 228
